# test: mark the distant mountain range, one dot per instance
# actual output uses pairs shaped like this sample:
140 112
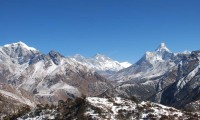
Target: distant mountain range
101 64
29 77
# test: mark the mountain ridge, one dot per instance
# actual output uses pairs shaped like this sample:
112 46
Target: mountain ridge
162 59
30 77
103 62
48 77
161 76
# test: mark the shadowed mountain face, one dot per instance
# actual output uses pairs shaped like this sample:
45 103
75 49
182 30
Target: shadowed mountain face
186 88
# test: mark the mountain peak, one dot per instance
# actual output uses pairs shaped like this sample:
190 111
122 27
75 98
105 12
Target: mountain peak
161 54
100 57
162 47
78 56
20 44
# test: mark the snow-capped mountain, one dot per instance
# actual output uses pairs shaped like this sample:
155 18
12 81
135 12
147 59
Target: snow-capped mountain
152 64
48 77
17 53
161 76
29 77
101 63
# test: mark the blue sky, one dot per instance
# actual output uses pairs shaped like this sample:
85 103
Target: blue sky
120 29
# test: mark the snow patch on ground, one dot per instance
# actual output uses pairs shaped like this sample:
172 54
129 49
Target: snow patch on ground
111 106
115 108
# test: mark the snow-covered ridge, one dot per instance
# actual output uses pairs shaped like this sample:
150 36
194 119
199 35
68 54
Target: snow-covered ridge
100 63
125 64
185 80
20 44
46 76
152 64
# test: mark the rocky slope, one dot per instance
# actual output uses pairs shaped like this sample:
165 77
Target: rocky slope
11 104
